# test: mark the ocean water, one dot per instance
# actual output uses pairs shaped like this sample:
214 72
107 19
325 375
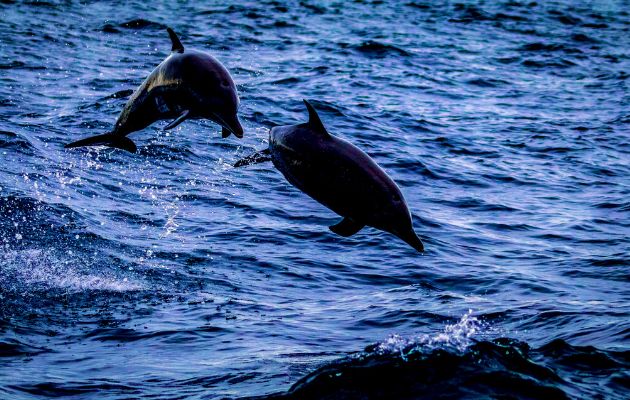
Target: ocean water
169 274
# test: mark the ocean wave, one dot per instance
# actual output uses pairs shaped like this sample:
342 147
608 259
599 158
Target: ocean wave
173 274
454 364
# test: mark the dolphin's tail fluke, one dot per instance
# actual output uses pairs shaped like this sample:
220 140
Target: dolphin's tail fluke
413 240
108 139
257 157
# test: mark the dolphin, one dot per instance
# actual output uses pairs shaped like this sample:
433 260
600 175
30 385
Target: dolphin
340 176
187 84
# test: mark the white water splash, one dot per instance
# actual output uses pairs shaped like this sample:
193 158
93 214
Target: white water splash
172 211
454 336
34 270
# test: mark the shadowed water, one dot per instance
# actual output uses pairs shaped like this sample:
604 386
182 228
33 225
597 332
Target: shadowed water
170 274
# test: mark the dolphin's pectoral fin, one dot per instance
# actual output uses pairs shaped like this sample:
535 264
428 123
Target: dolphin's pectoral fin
182 117
347 227
177 45
257 157
108 139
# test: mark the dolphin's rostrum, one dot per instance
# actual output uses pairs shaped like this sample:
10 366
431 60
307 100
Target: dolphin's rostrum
340 176
187 84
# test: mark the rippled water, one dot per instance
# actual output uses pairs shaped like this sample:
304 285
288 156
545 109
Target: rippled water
170 274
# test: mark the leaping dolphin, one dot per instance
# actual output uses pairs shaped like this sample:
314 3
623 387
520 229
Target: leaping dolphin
340 176
187 84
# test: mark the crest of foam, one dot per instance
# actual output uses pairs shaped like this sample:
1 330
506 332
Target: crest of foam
456 336
34 269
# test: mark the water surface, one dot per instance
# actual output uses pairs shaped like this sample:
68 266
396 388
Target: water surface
170 274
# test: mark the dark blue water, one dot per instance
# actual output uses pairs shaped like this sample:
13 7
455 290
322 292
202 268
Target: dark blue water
169 274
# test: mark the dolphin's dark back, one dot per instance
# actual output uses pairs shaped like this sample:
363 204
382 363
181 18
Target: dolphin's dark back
339 175
187 84
139 112
160 96
193 81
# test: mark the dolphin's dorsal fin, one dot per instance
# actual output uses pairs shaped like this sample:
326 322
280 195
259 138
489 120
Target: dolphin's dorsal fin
178 47
313 119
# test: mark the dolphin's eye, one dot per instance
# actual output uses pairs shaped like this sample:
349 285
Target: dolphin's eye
225 83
